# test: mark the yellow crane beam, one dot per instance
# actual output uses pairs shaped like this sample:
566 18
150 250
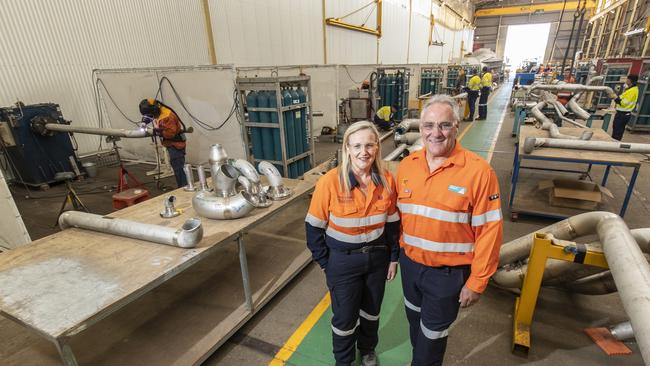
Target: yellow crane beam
533 8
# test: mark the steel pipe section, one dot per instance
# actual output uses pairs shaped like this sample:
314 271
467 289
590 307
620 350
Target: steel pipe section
572 88
622 331
632 276
116 132
188 236
393 155
410 124
206 204
531 143
408 138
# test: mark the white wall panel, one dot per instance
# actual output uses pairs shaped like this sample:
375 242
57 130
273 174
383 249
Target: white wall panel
274 32
206 92
49 48
13 232
420 25
346 46
393 45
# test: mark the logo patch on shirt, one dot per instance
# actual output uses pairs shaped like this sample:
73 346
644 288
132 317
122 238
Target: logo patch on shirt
345 198
493 197
456 189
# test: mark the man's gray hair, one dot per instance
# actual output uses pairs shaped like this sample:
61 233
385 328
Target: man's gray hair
443 99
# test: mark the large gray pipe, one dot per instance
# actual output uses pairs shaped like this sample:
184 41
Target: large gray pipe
410 124
632 276
551 127
567 229
396 153
188 236
597 284
117 132
534 142
558 272
573 88
408 138
576 109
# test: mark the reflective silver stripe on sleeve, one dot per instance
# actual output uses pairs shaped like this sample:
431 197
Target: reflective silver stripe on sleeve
358 221
411 306
393 218
360 238
434 213
372 318
432 334
344 333
494 215
315 221
436 246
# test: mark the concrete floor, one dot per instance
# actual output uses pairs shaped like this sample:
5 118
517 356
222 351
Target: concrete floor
482 334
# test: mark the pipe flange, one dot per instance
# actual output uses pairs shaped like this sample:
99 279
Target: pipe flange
278 193
169 211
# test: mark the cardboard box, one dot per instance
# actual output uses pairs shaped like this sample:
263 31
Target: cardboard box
573 193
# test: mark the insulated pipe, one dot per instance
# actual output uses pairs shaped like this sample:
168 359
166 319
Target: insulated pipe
208 205
117 132
408 138
567 229
576 109
597 284
407 125
622 331
396 153
632 276
573 88
532 143
187 236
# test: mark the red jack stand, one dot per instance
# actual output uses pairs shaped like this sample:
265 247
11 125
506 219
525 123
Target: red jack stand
123 175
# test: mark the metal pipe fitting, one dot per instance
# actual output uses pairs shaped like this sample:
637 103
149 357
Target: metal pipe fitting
393 155
223 183
169 211
202 180
572 88
188 236
407 125
187 169
276 190
208 205
622 331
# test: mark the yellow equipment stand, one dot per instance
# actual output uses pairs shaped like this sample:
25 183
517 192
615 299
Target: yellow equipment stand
544 248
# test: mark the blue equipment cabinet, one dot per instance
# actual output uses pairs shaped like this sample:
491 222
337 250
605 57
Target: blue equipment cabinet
282 106
36 153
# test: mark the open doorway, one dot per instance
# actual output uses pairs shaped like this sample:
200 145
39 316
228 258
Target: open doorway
526 42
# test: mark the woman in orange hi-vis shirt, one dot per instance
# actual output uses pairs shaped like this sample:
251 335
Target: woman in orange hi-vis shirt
353 232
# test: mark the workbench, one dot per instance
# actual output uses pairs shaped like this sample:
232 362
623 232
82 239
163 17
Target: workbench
89 298
524 196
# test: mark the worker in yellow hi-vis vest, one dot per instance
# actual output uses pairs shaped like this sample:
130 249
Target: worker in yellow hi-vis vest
486 87
473 88
625 104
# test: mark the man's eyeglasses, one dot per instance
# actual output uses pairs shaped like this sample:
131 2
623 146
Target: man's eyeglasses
442 126
367 147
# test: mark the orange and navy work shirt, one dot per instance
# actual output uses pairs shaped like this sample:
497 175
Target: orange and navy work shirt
341 221
451 216
171 129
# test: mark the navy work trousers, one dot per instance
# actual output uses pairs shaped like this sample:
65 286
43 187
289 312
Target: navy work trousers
356 282
483 103
620 121
431 302
177 160
472 95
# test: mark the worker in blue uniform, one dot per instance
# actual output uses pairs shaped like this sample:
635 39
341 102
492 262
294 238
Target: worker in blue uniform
625 104
352 231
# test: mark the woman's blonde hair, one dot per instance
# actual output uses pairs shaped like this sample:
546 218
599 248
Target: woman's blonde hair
344 164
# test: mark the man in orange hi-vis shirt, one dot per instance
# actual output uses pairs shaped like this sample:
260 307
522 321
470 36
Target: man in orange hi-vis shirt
452 225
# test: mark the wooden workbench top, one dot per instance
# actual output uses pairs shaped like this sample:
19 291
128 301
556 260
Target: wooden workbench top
61 284
584 155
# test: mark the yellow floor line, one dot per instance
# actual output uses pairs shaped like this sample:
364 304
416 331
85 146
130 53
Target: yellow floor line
296 338
496 135
460 137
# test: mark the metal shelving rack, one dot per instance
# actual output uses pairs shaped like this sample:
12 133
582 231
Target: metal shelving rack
615 75
640 120
431 79
401 97
276 84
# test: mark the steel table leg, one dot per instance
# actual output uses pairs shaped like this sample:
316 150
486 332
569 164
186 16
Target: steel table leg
243 264
630 189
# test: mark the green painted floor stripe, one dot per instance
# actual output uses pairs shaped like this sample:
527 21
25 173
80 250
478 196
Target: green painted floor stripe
479 138
394 347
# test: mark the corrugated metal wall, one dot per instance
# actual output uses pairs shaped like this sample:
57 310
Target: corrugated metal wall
49 48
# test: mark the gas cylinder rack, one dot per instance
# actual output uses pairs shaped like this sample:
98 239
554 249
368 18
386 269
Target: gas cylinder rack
431 79
640 120
392 87
278 122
